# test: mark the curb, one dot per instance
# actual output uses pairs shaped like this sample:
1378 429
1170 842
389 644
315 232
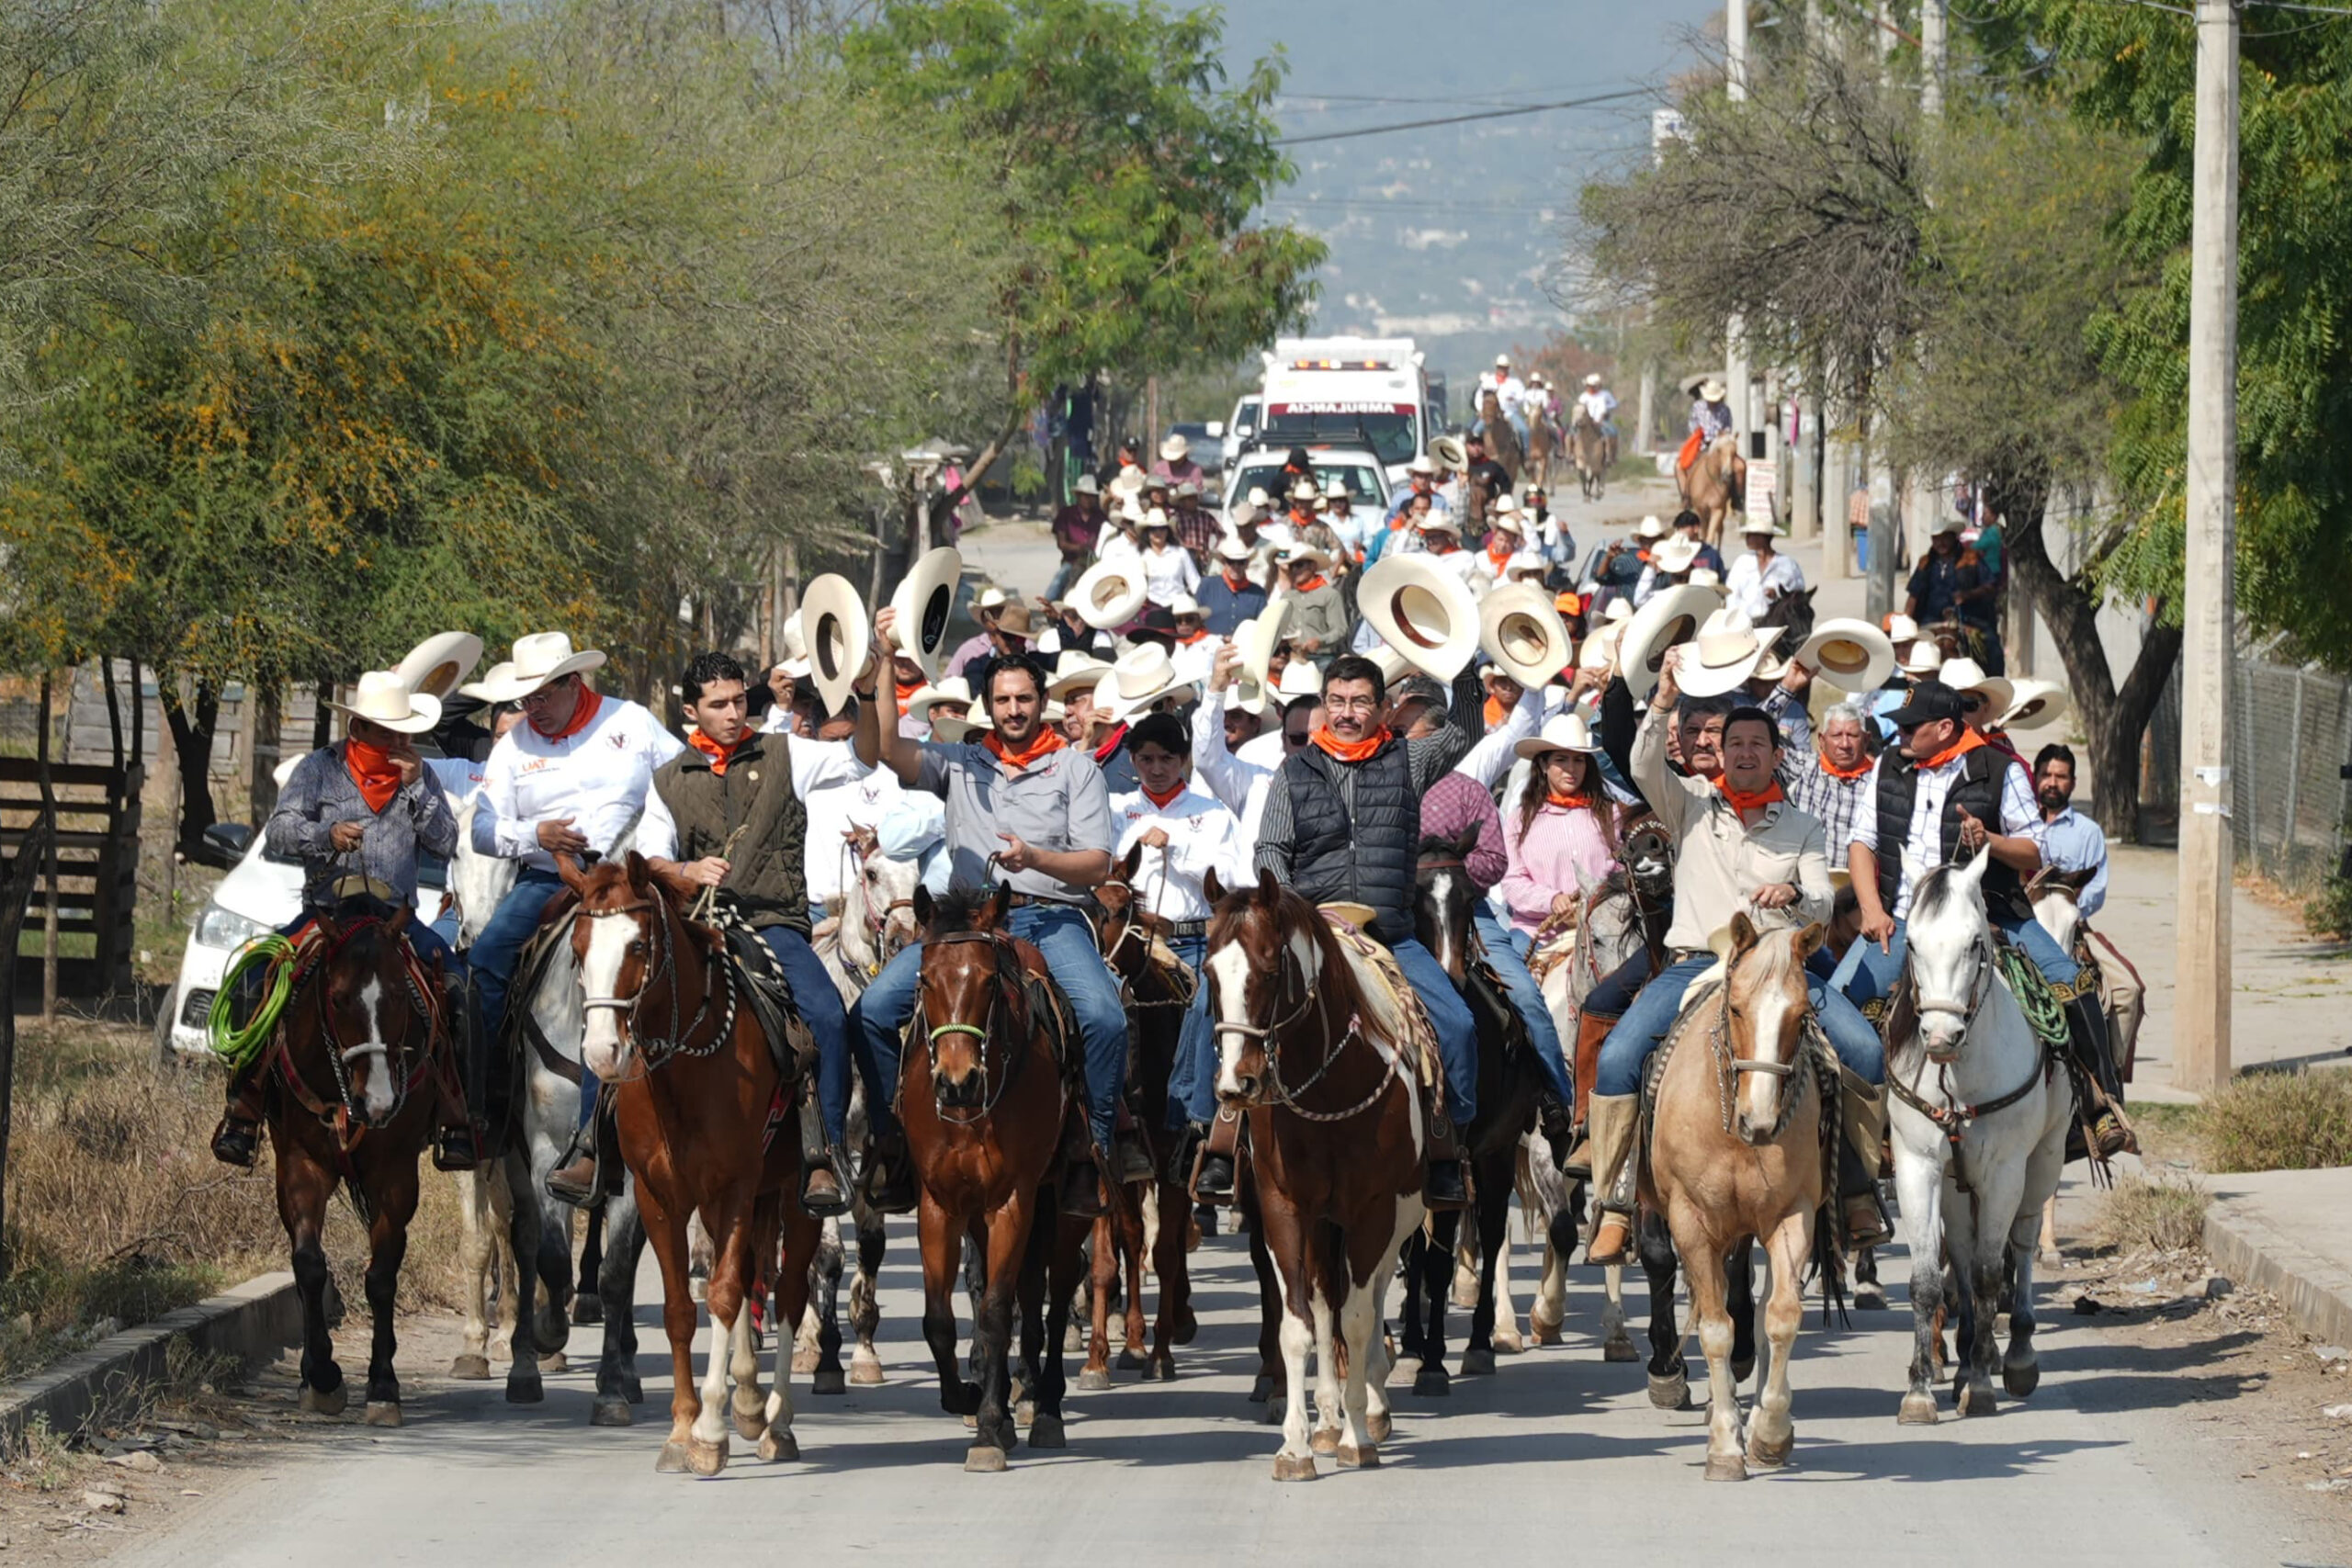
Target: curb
253 1322
2248 1249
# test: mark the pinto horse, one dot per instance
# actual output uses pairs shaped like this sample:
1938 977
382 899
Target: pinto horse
353 1073
985 1103
699 1091
1316 1047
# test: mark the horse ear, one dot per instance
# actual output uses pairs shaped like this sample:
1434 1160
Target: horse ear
1809 939
1743 933
924 907
2078 880
1212 887
398 919
640 871
1268 888
1971 875
1467 839
999 907
569 869
1133 864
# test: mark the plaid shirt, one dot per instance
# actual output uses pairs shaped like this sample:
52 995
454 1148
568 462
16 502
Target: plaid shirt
1836 802
1196 529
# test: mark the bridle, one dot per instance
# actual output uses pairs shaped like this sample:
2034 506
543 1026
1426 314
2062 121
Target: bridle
1728 1066
1965 1009
660 967
1007 977
1267 1035
346 1118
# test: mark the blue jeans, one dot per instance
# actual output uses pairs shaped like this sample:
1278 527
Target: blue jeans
1061 934
1626 1052
500 946
1191 1077
819 1006
1875 973
1527 1000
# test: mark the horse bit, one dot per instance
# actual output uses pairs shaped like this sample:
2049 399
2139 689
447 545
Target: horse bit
654 1050
1282 1094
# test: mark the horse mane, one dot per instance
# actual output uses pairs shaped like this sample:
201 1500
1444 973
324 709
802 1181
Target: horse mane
1934 894
959 908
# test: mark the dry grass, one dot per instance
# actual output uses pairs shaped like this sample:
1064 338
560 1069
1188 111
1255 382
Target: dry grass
2167 1214
2278 1121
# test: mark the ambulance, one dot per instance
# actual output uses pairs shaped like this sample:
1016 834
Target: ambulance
1346 391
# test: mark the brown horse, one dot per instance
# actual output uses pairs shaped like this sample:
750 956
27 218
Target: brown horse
1715 484
1157 991
1590 444
1317 1050
700 1095
353 1074
1736 1156
1502 436
986 1104
1543 442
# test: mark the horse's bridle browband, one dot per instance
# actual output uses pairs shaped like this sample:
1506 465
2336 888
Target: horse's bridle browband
1266 1035
1007 973
654 1050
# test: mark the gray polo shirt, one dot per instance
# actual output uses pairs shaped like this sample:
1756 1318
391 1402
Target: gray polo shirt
1056 803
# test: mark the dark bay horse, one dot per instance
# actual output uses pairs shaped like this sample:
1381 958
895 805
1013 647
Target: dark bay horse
1508 1080
1157 991
1319 1051
700 1096
986 1106
1794 610
353 1070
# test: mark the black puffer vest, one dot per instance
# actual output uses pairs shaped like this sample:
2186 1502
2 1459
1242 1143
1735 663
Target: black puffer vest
1366 859
1978 789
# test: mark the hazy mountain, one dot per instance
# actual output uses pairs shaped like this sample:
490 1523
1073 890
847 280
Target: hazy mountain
1449 232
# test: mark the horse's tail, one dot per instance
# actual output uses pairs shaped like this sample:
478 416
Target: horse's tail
1828 1260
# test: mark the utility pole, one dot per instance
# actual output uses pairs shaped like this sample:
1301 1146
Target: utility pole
1734 333
2201 968
1931 58
1926 503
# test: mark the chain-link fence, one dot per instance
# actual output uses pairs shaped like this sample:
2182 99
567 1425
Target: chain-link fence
2290 802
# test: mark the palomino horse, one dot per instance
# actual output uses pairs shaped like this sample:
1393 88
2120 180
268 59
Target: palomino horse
353 1073
1590 445
1157 991
1315 1046
699 1091
1714 484
1508 1081
1543 442
985 1102
1979 1122
1736 1156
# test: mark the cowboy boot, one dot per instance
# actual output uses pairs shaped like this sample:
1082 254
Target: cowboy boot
821 1193
1214 1182
1861 1105
1552 1121
454 1145
889 1172
1614 1120
1445 1182
237 1140
1591 1030
2110 1133
1082 1191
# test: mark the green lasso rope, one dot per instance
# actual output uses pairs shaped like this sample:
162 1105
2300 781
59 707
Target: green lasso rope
239 1045
2035 999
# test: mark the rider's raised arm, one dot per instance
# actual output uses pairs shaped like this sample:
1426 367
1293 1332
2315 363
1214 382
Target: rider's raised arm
1489 757
1669 795
1432 757
1227 776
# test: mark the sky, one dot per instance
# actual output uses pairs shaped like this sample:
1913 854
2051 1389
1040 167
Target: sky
1449 234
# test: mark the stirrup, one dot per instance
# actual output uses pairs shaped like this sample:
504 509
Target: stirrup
822 1204
455 1149
890 1177
237 1142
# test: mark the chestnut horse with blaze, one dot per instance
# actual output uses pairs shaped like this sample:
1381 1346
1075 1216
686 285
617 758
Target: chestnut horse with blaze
1314 1045
698 1098
986 1107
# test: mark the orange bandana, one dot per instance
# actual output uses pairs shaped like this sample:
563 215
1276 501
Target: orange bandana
1046 742
905 694
1317 580
583 714
1969 740
1498 556
1495 713
1847 774
1189 641
371 769
1162 801
1341 751
1763 797
1567 802
720 755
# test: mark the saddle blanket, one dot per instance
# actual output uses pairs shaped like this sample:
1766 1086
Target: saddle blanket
1394 995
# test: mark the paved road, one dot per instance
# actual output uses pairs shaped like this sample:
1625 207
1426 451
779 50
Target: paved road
1559 1452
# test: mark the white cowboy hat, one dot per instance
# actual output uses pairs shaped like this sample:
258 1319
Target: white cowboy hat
1259 499
1157 517
1619 609
924 601
950 728
1725 654
1082 670
795 638
955 689
1650 528
1593 379
1673 615
1601 648
1143 675
1233 546
2035 703
1901 629
1523 634
1129 482
839 635
1503 511
1849 653
1712 390
1423 611
1422 466
1561 732
1305 552
539 658
1255 642
1336 488
1175 447
1299 678
1707 576
1921 658
1502 361
1448 452
382 697
1525 560
1108 595
1184 604
1674 556
1302 488
493 680
1750 526
1392 667
436 666
1965 675
1087 485
1945 525
990 598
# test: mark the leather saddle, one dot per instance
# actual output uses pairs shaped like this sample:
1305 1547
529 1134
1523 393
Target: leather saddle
761 981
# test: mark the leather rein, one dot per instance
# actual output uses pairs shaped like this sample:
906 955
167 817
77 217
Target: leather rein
344 1119
719 977
1268 1037
1953 1117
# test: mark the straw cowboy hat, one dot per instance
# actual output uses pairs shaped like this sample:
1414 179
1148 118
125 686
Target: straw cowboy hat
1254 642
1174 447
955 689
1017 621
1108 595
2035 704
1523 634
1849 653
1712 390
539 658
1725 654
1448 452
924 602
1965 675
1561 732
1674 556
436 666
1305 552
383 698
1143 675
1673 615
840 632
1424 612
1074 673
1921 658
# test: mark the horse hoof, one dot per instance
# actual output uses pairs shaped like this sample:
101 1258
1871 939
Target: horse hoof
1919 1410
1130 1360
1742 1370
328 1403
829 1380
706 1459
524 1390
1294 1467
1870 1298
866 1373
470 1368
1093 1381
1670 1394
610 1411
1261 1389
1545 1333
632 1389
779 1448
381 1413
1379 1423
752 1427
1769 1455
1975 1399
672 1460
1324 1440
1353 1458
1614 1351
559 1362
1432 1383
587 1309
1508 1342
1046 1432
804 1359
2021 1381
1478 1363
980 1459
1727 1467
1161 1368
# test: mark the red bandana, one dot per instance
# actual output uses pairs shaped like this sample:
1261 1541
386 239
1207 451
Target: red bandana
1110 744
1046 742
720 755
1350 750
371 769
1567 802
583 714
1162 801
1763 797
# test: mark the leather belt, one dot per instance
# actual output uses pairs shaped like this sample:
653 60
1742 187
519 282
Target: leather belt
1024 900
1189 928
1677 954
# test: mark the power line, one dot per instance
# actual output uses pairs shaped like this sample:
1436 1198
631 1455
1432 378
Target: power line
1465 118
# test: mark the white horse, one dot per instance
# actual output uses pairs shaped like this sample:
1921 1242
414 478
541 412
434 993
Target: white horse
485 1197
1979 1123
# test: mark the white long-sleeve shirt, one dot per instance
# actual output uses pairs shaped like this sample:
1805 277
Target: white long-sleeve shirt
842 795
1203 835
599 777
1489 757
1223 774
914 827
1167 573
1751 589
